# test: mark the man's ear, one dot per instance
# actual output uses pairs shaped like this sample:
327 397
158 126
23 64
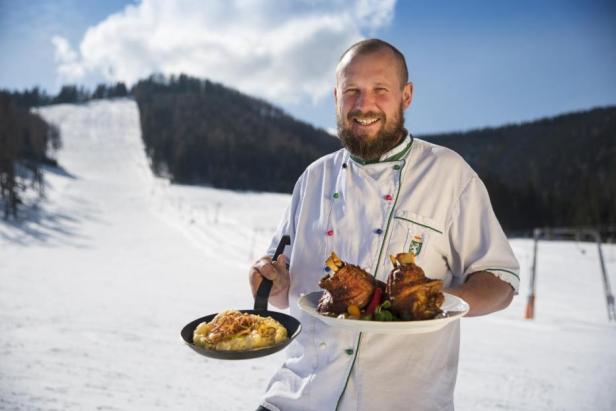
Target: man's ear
407 95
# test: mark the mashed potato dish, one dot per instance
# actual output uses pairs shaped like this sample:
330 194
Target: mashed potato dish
232 330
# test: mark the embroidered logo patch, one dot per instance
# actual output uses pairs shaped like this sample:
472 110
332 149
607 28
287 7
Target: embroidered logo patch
416 244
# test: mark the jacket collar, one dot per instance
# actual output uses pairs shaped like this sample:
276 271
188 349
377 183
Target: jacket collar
395 154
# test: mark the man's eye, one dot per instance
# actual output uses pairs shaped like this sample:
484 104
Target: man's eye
350 91
381 90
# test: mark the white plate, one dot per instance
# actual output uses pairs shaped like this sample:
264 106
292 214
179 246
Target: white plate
453 309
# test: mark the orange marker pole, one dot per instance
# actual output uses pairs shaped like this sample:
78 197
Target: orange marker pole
530 308
530 304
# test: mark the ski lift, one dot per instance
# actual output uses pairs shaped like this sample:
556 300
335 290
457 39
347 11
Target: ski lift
577 233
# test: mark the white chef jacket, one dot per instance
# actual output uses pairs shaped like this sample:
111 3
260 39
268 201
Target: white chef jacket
419 197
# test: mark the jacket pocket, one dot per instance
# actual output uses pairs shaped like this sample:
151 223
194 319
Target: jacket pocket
413 233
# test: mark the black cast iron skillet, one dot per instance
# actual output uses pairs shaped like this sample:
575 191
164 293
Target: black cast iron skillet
292 325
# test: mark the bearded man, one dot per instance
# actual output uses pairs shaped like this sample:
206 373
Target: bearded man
385 193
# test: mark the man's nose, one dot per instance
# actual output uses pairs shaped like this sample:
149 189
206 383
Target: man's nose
364 101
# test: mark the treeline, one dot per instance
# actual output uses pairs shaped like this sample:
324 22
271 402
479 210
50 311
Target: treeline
554 172
24 141
200 132
71 94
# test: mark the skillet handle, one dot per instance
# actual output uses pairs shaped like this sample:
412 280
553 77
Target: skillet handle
266 285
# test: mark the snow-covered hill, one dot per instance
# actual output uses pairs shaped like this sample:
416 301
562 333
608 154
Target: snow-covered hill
95 288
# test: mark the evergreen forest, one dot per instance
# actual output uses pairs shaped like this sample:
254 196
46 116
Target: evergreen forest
25 140
552 172
200 132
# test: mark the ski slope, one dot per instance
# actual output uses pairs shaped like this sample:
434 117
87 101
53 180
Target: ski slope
96 285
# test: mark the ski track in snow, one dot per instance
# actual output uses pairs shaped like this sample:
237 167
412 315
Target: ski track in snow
98 282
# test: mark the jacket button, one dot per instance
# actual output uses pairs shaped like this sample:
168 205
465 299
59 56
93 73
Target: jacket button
336 195
344 165
349 351
388 197
322 346
396 167
330 233
378 231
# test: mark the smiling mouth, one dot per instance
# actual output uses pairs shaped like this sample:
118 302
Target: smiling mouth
366 121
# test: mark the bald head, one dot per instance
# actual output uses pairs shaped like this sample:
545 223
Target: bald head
372 46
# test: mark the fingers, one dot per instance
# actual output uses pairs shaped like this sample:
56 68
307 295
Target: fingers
282 263
255 276
283 281
275 271
255 280
267 268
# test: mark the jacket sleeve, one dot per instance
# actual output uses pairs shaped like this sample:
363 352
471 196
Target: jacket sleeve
288 223
477 240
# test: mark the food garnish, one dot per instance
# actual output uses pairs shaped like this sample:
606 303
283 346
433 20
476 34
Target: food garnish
232 330
352 293
377 296
413 296
345 285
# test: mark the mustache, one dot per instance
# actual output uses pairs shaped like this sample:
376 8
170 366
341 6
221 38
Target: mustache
369 114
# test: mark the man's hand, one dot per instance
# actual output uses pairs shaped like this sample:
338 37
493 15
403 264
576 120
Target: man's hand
484 292
275 271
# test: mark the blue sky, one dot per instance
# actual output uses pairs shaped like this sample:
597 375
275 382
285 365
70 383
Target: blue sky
473 63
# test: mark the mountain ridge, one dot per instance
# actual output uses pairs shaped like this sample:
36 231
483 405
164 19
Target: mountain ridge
553 171
556 171
199 132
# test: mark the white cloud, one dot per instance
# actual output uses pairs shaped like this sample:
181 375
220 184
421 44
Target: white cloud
280 50
69 66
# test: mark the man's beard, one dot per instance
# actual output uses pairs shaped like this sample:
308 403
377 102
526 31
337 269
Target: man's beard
387 137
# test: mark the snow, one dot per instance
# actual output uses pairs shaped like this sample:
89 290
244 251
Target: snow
97 284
